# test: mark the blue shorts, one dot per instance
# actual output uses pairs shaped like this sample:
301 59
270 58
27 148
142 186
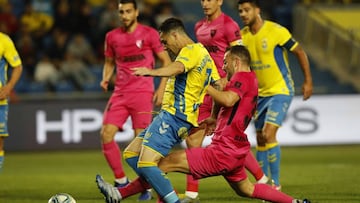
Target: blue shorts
271 110
3 120
164 132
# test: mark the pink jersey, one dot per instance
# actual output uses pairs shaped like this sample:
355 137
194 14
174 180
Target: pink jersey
131 50
216 36
232 121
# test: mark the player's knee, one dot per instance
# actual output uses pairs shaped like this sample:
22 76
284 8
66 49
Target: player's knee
127 155
146 168
107 135
246 189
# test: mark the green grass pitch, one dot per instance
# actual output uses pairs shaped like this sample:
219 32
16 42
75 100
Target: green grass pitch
324 174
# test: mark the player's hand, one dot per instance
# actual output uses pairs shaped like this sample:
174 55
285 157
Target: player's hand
209 124
141 71
158 97
104 84
307 90
5 92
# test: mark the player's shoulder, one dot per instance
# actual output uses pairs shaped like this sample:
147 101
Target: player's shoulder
115 31
227 19
4 38
200 22
245 30
146 28
270 25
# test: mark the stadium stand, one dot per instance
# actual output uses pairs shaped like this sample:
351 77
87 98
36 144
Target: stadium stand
327 78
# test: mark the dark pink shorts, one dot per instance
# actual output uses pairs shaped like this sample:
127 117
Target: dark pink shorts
212 161
138 106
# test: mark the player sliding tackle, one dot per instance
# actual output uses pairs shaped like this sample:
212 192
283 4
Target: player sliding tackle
226 154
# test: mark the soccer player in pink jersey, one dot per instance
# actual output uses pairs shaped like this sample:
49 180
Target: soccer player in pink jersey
235 106
216 32
126 47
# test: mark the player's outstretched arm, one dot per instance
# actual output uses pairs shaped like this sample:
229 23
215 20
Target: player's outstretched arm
172 69
307 87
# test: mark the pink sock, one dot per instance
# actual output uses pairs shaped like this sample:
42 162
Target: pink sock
192 185
112 154
136 186
266 192
252 165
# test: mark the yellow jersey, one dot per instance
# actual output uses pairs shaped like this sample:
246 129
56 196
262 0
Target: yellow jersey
185 92
8 55
269 59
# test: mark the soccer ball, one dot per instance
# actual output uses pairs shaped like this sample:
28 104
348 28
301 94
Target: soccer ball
62 198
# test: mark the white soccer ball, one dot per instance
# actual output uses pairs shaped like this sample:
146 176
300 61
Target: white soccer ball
62 198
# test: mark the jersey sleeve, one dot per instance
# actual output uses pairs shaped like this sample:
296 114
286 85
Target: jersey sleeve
189 57
108 50
214 74
237 84
11 54
285 38
156 45
232 32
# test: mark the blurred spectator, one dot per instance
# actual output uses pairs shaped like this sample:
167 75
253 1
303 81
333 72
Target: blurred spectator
46 72
97 6
80 48
163 11
43 6
36 23
81 19
146 15
56 47
75 70
18 7
62 17
109 18
8 19
28 51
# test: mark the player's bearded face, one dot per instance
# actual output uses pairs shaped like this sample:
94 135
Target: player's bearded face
227 67
128 14
248 13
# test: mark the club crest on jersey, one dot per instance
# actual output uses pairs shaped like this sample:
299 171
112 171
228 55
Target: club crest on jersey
264 44
212 33
139 43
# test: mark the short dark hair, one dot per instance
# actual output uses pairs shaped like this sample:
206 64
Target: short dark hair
240 51
128 2
171 24
256 3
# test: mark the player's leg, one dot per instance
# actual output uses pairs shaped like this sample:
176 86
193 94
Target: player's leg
277 108
252 165
164 132
4 132
261 151
141 114
265 192
192 185
195 140
2 153
274 153
115 115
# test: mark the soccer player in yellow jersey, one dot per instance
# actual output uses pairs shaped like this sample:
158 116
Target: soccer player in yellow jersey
189 76
8 56
268 43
